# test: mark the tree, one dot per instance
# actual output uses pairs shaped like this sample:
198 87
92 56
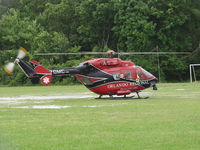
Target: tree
143 25
123 25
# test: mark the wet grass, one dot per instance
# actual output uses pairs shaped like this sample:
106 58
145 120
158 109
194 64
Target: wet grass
169 119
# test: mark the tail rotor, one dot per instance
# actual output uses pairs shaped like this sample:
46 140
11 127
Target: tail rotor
9 68
22 53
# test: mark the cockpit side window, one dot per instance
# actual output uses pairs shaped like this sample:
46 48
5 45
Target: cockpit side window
139 72
116 76
128 75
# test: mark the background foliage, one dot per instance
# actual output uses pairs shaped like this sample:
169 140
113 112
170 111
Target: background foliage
85 25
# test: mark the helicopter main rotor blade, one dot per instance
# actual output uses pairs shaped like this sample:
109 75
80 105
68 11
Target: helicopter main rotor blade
153 53
116 53
80 53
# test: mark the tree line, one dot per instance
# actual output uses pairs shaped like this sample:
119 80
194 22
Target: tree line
99 25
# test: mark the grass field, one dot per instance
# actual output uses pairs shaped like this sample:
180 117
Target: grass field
168 120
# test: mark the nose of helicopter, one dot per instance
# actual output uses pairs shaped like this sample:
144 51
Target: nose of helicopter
153 83
152 79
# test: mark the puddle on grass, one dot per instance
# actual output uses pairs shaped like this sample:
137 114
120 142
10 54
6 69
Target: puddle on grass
111 105
13 102
50 99
66 106
44 97
39 99
180 89
30 99
43 107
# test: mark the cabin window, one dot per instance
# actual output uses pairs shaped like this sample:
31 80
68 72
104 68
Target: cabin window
128 75
110 62
116 76
139 73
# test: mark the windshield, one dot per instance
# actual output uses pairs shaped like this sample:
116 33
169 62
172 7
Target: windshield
146 73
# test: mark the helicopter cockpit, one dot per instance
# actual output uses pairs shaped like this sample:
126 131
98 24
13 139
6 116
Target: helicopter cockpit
142 73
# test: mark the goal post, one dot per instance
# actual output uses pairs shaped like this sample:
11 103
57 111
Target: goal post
192 72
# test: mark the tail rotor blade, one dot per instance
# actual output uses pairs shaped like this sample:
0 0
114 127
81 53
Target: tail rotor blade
9 68
22 53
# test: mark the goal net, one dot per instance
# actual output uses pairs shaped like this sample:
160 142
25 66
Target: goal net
193 72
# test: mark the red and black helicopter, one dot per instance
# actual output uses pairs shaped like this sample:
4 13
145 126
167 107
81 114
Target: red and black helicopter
103 76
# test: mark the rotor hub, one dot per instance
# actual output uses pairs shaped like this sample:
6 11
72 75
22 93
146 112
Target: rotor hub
111 53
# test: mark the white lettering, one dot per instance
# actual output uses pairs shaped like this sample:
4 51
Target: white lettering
58 71
118 85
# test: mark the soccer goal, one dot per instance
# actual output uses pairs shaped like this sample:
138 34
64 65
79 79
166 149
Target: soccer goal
192 72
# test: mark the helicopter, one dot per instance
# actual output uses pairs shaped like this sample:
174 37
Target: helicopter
103 76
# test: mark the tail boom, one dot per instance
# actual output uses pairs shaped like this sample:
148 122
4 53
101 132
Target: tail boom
36 72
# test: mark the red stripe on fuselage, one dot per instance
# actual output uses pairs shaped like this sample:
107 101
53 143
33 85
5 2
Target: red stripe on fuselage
42 70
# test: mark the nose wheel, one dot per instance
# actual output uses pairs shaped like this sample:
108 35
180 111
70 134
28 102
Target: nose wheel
155 88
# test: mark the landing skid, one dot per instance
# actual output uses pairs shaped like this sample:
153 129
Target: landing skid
111 97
